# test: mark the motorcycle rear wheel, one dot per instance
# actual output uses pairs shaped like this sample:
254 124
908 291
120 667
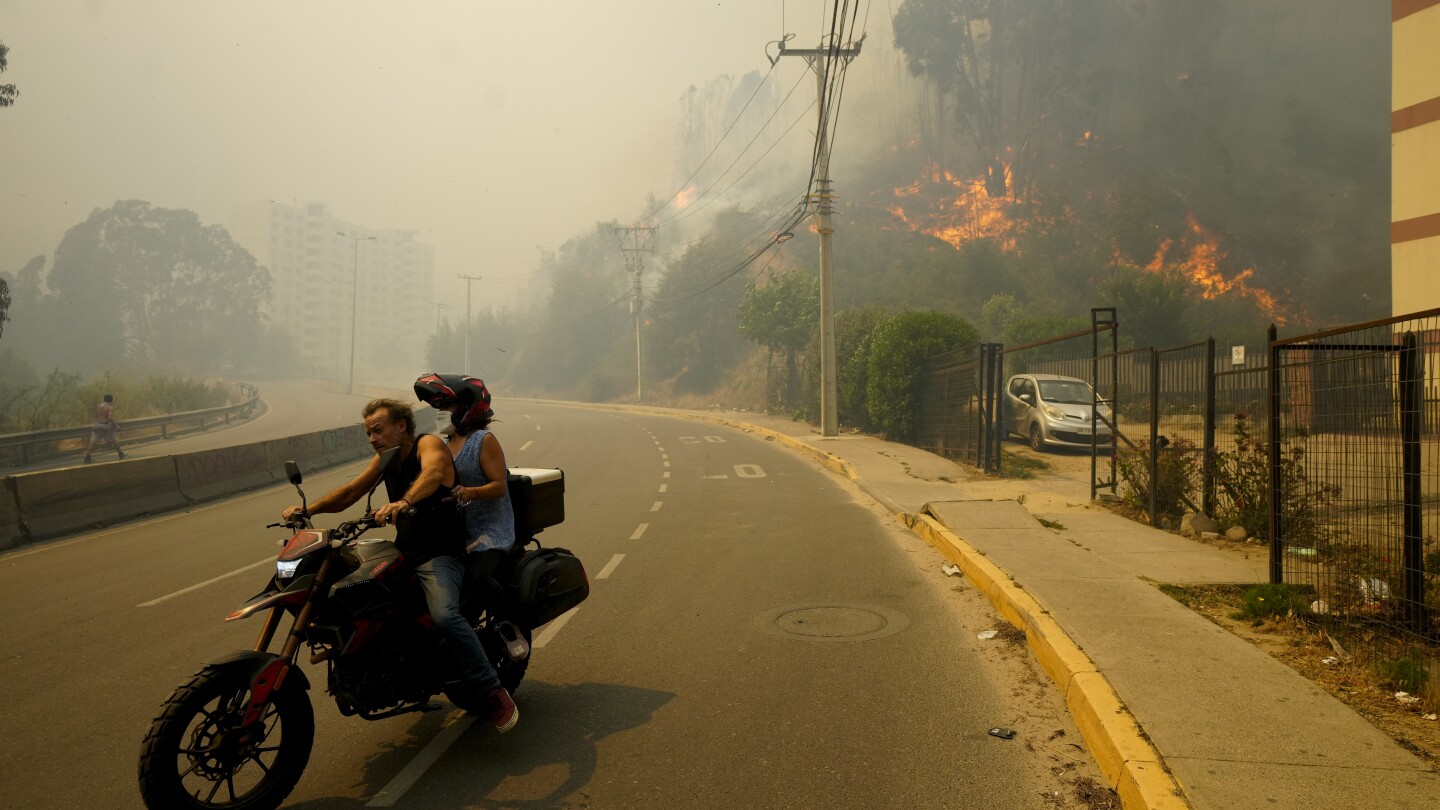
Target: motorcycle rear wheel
197 756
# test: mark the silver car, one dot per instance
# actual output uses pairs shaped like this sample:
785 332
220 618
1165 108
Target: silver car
1054 411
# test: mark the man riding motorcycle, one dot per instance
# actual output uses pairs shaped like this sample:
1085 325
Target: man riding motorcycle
433 540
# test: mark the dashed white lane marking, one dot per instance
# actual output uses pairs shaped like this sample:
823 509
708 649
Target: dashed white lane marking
667 473
527 416
537 427
553 628
664 487
639 531
526 444
455 725
610 566
664 455
656 506
183 591
666 463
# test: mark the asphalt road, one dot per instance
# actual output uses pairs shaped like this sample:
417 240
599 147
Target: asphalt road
724 658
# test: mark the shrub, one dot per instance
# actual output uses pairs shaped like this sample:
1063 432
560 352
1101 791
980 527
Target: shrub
1179 473
1243 478
854 329
1270 600
896 366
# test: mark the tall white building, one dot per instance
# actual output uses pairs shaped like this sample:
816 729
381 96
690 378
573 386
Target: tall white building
319 277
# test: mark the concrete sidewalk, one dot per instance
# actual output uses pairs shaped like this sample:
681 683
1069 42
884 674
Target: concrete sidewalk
1220 723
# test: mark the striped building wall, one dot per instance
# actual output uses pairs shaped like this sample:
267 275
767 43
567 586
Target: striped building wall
1415 155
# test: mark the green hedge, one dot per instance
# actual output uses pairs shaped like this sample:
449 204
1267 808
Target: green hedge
895 370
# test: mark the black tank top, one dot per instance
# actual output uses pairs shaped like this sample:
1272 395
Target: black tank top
438 529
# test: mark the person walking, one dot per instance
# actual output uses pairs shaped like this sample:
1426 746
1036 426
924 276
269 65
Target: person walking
105 428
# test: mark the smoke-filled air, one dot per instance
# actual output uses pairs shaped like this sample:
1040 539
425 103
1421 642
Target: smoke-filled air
624 203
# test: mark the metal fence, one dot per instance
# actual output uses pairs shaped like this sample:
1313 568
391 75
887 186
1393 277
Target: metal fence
957 415
1354 476
21 449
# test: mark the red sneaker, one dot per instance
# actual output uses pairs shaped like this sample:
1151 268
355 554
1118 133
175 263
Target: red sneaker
503 710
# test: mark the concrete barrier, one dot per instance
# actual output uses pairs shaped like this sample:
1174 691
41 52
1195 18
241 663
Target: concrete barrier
12 532
343 445
211 474
307 450
59 502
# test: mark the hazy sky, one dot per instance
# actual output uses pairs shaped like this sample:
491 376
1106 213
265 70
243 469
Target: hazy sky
489 128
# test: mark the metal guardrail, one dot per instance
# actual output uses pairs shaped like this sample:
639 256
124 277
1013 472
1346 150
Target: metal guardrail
21 449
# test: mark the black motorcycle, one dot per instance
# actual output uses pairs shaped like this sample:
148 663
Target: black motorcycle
238 734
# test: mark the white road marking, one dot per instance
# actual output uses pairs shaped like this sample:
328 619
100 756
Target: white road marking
551 629
656 506
525 445
667 474
537 427
183 591
527 416
717 476
639 531
714 440
749 471
666 463
610 566
455 725
664 487
664 454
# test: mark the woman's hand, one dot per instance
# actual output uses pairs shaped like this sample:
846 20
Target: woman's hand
461 495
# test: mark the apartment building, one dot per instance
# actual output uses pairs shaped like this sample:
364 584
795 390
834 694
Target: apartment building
1415 156
325 270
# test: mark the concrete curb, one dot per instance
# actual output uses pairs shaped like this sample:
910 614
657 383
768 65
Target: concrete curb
1127 760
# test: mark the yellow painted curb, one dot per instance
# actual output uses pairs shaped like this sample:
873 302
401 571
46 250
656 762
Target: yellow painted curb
1128 762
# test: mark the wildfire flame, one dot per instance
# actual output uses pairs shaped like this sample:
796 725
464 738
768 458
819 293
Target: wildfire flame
955 209
1201 267
685 197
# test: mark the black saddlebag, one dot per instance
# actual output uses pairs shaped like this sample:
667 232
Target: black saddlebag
549 581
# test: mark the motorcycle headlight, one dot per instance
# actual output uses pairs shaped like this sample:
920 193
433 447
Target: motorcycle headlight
284 569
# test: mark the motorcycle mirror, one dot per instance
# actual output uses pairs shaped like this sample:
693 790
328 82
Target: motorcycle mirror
292 472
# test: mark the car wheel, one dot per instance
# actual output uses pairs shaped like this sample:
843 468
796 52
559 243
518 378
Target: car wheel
1037 441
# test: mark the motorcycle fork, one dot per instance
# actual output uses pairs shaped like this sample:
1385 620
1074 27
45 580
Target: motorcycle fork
302 619
267 632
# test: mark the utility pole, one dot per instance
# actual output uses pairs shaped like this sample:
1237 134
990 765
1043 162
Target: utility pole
635 243
468 281
439 305
822 61
354 301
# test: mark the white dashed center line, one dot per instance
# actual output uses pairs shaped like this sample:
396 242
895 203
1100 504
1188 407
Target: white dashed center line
664 487
639 531
656 507
610 566
526 444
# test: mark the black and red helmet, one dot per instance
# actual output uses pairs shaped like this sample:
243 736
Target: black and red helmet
468 393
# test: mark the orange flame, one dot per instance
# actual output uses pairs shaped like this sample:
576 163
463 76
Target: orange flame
685 197
1202 268
955 210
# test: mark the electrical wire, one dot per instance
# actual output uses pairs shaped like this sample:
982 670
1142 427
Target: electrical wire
756 137
695 209
716 147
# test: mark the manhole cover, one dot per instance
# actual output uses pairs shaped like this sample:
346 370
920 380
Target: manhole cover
828 622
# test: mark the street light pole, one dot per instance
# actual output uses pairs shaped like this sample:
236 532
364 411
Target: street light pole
354 301
468 281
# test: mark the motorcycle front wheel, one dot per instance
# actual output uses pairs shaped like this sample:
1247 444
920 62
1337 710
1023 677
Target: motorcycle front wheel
198 754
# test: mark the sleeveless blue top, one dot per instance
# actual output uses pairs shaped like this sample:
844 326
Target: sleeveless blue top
490 524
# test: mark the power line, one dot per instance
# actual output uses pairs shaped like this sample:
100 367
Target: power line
716 147
761 131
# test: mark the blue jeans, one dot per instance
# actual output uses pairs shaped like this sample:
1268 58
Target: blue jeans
441 577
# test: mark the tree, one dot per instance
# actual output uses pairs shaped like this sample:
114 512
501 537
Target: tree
781 316
4 304
898 352
8 93
156 285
